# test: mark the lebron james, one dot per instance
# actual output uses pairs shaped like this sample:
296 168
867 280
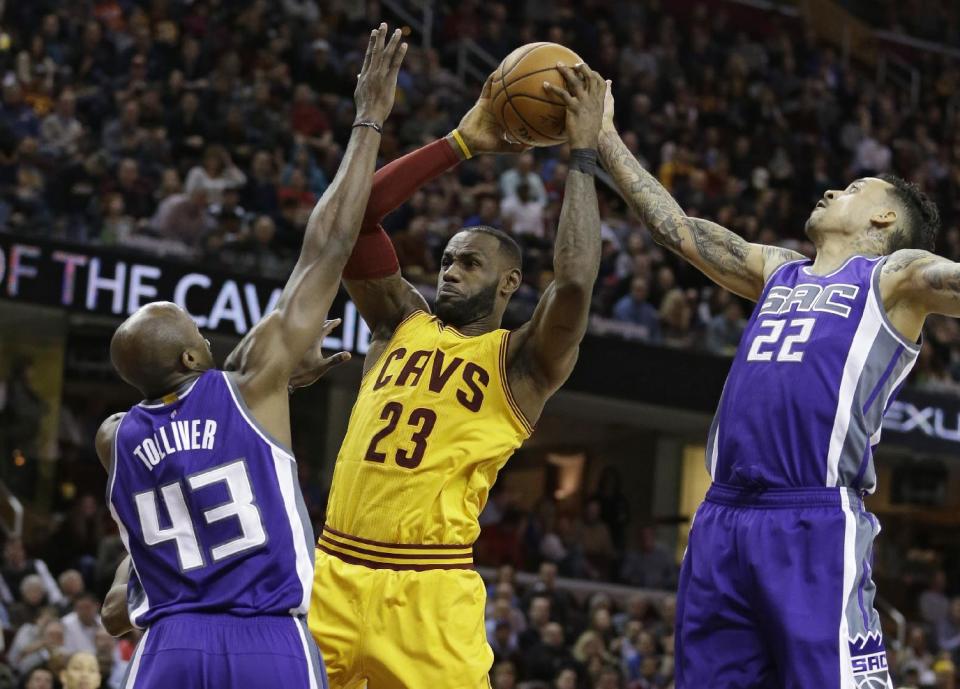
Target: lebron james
445 399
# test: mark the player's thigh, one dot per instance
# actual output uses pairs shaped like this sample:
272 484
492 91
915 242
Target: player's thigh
816 596
718 642
254 653
427 630
336 619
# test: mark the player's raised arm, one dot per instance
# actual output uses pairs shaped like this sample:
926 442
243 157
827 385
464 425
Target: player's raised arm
272 351
372 275
916 283
548 345
724 256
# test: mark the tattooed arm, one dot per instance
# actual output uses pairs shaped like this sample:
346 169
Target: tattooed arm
914 284
725 257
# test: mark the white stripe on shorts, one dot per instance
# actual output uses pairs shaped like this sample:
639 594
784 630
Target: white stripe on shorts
849 579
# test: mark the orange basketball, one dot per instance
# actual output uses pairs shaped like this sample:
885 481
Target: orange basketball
526 112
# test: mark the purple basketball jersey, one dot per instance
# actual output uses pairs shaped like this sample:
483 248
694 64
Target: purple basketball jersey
209 508
818 365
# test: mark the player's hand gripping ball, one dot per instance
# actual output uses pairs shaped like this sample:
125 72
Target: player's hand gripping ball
525 111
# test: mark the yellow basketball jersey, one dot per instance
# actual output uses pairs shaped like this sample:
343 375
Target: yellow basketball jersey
432 425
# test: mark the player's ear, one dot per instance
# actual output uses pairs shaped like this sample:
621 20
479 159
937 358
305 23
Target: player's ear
191 360
884 218
510 282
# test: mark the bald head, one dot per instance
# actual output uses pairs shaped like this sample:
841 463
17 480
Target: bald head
158 347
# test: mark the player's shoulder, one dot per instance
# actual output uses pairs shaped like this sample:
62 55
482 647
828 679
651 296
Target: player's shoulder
902 260
105 436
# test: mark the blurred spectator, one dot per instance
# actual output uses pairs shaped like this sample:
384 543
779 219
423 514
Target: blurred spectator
725 329
216 174
648 564
933 605
61 132
523 214
521 172
80 626
39 678
183 217
634 308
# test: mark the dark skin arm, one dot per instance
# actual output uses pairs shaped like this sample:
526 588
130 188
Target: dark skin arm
268 355
114 614
543 352
726 258
384 302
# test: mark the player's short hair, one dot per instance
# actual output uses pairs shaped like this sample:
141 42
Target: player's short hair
921 217
508 245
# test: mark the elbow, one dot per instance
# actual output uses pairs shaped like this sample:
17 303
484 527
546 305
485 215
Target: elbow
114 618
577 287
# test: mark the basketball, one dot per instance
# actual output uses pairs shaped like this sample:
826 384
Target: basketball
523 108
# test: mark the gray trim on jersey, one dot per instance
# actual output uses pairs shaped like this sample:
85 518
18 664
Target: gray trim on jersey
313 655
888 326
861 598
865 423
251 419
862 427
713 439
309 536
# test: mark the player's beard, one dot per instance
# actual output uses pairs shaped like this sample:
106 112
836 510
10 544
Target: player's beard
466 310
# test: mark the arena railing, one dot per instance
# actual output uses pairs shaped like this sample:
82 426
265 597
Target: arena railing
11 509
582 589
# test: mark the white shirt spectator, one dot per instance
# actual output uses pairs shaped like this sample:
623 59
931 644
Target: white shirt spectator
872 156
78 636
523 173
230 177
523 217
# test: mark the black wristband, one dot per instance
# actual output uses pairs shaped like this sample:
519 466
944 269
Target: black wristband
368 123
584 160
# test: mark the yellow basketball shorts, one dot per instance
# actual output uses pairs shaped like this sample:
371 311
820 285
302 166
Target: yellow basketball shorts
384 628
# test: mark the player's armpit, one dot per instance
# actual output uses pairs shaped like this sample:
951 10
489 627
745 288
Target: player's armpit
920 283
384 302
104 439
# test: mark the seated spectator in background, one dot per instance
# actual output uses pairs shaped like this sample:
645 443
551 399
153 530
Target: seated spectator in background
82 672
634 308
504 675
116 225
112 666
33 598
216 174
72 586
303 160
538 617
725 329
80 626
566 679
183 217
124 136
17 567
676 319
488 213
594 537
260 194
544 660
934 606
504 643
37 643
523 171
948 633
295 191
60 131
135 190
916 655
306 118
562 602
649 564
39 678
523 215
413 252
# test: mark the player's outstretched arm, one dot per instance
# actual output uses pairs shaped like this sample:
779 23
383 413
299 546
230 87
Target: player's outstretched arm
915 283
271 352
544 351
114 614
725 257
372 275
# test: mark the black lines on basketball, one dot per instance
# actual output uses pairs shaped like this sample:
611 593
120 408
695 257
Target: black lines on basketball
532 47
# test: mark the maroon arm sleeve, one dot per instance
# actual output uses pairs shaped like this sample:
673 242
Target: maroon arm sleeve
373 255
